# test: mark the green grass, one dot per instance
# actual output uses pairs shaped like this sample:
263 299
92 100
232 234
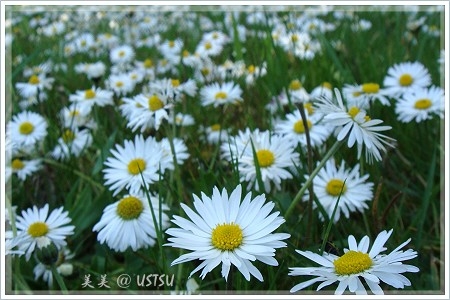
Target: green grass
409 198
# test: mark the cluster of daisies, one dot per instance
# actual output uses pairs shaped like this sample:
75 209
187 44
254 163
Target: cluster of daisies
152 96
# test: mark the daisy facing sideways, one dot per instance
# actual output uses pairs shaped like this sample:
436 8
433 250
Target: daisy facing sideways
228 231
352 123
356 263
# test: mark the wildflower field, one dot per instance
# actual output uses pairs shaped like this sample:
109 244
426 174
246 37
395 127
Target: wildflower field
293 150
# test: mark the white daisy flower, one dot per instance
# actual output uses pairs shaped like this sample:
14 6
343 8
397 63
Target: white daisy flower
72 143
228 231
252 73
220 94
107 40
420 105
92 70
37 228
133 165
36 84
207 47
182 119
122 54
274 156
173 88
171 49
294 129
24 168
146 111
129 222
26 129
120 83
358 262
406 76
91 97
85 42
75 116
43 68
215 134
136 75
362 95
329 183
354 124
297 92
147 67
216 36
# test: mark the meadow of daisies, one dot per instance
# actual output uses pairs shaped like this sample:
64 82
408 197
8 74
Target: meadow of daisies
219 149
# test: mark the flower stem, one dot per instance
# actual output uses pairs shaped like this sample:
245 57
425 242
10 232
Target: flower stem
303 189
59 279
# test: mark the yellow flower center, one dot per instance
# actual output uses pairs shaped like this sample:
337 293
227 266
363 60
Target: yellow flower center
295 85
327 85
300 128
119 84
335 186
34 80
370 88
74 113
265 158
175 82
406 80
186 53
148 63
38 229
17 164
294 38
221 96
130 208
122 53
68 136
171 44
208 45
251 69
309 108
154 103
205 71
353 111
26 128
136 165
89 94
352 262
215 35
423 103
215 127
227 237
